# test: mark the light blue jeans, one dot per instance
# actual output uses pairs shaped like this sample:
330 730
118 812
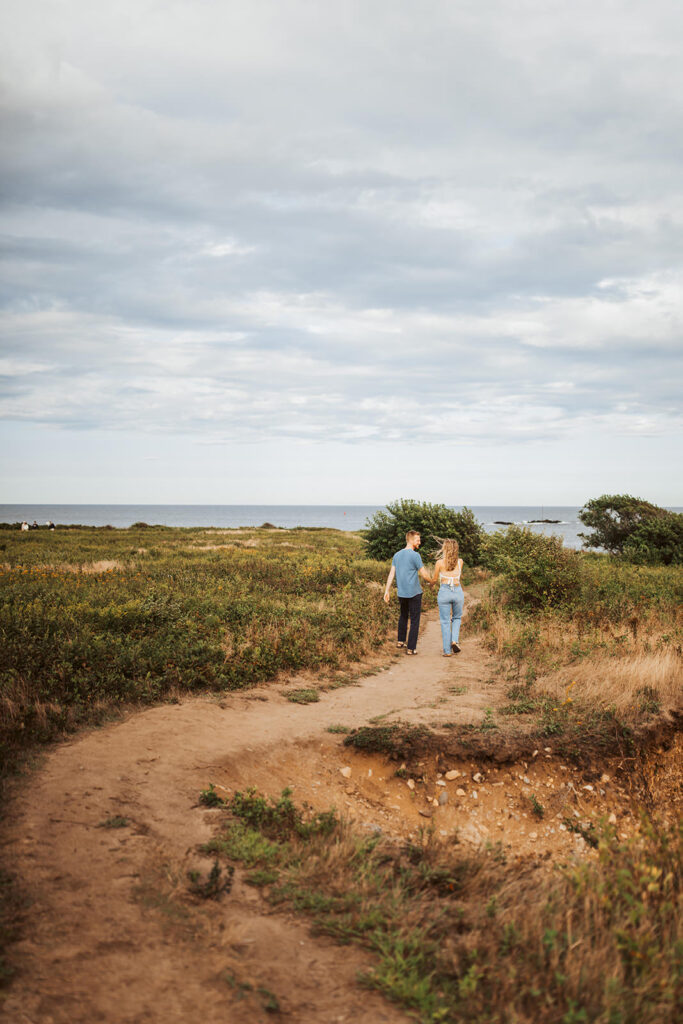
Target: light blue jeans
451 600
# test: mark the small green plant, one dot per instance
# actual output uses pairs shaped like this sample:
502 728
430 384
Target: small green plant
341 729
116 821
522 701
457 691
587 832
269 1000
303 696
648 700
536 808
262 876
240 987
488 722
280 818
210 798
215 885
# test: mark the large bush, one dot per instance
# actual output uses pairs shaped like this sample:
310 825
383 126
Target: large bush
536 571
613 518
385 532
657 541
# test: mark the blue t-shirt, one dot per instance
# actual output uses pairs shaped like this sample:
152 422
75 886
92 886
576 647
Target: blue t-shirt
407 563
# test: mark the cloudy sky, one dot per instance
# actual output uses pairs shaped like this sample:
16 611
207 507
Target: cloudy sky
304 251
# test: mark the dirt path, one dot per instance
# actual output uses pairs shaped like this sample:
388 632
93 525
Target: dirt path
110 935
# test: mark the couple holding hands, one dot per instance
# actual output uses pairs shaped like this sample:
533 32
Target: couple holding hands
407 567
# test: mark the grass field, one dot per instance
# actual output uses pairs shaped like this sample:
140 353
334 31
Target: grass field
93 619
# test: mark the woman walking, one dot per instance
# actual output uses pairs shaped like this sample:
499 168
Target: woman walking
451 599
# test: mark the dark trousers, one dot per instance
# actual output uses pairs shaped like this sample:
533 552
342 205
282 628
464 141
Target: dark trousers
411 608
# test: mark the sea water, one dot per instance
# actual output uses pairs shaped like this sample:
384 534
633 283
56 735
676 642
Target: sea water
338 517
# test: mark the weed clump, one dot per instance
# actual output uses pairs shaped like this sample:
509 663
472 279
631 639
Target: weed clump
397 741
116 821
215 885
303 696
210 798
279 818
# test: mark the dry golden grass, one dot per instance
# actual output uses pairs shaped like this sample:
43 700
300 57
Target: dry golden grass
633 667
624 683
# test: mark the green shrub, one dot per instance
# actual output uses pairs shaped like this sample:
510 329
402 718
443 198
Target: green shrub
657 541
613 591
614 518
536 571
385 532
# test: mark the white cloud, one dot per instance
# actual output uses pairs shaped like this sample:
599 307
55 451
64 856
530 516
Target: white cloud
368 221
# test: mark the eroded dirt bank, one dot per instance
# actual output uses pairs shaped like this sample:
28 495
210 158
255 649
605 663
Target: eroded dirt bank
111 934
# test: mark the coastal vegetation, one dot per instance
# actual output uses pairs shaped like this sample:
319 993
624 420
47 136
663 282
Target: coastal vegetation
589 645
94 619
640 531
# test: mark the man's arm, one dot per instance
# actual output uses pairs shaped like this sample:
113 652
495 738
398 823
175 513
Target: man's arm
425 575
390 580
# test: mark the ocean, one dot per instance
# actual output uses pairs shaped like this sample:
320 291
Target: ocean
338 517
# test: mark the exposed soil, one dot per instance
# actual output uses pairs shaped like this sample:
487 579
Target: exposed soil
111 934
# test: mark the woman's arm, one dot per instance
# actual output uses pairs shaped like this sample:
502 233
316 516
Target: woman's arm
390 580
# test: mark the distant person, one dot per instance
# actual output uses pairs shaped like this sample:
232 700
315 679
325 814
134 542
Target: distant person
406 566
24 525
34 525
450 598
50 525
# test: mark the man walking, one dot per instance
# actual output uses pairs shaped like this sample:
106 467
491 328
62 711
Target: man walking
406 566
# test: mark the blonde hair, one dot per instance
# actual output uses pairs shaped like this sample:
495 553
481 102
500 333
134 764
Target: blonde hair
450 552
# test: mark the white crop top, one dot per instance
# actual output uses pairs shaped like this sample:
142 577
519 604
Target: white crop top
452 577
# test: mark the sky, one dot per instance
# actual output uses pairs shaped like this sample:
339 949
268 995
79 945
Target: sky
295 251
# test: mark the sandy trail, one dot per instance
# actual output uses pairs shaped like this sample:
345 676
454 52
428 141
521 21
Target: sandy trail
110 935
105 938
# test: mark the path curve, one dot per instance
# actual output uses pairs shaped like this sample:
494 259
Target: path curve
107 936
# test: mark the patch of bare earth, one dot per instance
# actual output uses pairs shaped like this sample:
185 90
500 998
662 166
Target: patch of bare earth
112 933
